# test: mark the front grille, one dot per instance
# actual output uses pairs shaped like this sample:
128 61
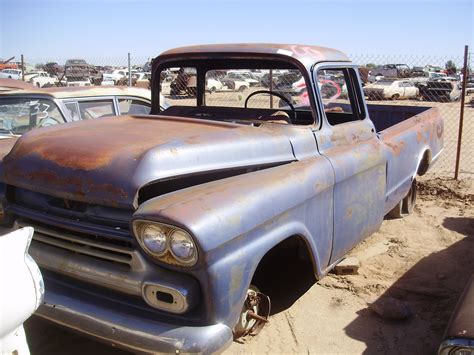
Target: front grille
112 250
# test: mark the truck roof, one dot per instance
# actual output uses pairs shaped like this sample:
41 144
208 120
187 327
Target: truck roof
306 54
81 91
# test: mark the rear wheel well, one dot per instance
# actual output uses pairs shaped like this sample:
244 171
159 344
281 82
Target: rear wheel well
285 273
424 163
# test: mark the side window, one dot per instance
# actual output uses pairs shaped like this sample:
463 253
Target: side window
96 108
134 107
73 110
340 95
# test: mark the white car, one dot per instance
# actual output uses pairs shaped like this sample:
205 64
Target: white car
116 75
41 79
243 76
391 89
213 85
10 74
22 288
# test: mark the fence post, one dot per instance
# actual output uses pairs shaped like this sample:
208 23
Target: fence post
129 71
22 68
461 113
270 86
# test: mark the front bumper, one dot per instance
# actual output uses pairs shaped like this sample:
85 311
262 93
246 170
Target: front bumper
119 326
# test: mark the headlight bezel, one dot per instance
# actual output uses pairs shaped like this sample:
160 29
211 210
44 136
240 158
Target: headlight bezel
167 256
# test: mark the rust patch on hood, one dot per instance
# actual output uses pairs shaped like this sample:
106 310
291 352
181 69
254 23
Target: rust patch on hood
94 144
106 161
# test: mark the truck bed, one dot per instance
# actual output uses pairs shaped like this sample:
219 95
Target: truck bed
386 116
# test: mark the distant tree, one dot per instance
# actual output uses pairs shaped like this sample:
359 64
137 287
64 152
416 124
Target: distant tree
450 67
370 65
39 66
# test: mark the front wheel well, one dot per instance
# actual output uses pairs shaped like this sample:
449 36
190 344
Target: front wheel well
285 272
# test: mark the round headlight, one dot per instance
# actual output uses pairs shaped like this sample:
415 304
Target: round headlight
182 247
154 239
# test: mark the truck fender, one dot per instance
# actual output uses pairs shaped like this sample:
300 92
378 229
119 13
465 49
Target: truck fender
233 274
237 220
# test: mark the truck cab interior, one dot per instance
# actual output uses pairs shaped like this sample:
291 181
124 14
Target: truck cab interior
275 98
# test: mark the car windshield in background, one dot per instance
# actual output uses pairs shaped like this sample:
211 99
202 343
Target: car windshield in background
240 88
19 115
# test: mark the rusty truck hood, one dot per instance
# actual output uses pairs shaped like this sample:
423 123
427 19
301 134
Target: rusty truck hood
107 160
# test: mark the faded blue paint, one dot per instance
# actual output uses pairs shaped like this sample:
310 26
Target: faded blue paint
329 185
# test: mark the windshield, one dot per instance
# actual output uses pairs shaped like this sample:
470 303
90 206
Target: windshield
238 94
252 93
19 115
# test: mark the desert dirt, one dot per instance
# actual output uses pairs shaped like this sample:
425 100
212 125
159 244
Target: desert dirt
415 268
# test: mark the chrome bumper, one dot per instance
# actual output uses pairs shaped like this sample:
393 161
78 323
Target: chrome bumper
124 328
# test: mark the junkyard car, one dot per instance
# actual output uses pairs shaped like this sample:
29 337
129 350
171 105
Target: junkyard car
459 335
23 110
10 74
213 84
235 83
115 76
22 289
41 79
151 230
391 71
243 76
391 89
77 70
440 90
142 80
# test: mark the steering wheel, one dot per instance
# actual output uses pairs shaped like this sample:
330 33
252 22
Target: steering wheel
293 111
48 121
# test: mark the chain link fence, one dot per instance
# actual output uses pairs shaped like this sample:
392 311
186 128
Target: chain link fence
438 83
413 80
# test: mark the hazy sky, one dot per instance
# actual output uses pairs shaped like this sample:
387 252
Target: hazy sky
48 29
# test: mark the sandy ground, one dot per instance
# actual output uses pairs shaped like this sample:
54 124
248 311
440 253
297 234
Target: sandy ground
423 261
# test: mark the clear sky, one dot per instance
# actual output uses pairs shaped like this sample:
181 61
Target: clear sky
46 29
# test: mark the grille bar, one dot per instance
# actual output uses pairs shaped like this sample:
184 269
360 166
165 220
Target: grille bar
79 244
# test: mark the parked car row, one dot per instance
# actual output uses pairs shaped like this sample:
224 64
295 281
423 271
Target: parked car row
402 71
443 90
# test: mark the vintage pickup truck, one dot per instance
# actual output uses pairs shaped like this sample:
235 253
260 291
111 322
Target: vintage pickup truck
150 230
